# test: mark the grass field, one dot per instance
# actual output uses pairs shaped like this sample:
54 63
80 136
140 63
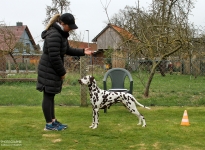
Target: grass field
22 120
21 128
171 90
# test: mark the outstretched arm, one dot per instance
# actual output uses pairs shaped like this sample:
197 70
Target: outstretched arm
87 51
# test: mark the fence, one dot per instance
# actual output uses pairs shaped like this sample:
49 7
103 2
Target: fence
25 70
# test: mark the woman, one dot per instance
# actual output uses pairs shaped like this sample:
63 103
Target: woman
51 71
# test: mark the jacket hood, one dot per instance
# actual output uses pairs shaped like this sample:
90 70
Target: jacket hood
54 26
43 34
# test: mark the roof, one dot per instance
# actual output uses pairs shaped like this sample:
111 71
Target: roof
18 32
78 44
122 32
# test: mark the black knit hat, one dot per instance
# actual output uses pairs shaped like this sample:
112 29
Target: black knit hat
69 19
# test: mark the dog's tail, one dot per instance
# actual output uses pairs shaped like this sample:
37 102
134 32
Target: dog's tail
141 104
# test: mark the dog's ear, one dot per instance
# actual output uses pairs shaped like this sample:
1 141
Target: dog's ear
91 79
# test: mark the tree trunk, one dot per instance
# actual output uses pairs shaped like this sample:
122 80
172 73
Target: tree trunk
16 65
146 93
162 68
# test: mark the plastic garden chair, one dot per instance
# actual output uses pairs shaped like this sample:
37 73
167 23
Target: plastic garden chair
117 76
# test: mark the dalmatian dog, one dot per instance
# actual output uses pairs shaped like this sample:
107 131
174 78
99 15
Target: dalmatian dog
101 99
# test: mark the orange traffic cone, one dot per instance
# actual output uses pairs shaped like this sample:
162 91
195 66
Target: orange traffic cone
185 120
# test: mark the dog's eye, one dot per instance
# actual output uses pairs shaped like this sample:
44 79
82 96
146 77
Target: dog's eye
85 78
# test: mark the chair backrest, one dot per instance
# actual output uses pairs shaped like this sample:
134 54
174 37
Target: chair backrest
117 76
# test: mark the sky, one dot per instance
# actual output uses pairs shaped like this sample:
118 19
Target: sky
89 14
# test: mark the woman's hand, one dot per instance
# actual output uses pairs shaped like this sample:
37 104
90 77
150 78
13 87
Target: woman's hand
87 51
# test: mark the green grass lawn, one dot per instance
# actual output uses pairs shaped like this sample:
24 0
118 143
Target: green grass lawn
22 120
118 130
171 90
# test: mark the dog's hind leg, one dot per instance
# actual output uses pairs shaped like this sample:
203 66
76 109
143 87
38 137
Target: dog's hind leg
95 121
133 109
140 117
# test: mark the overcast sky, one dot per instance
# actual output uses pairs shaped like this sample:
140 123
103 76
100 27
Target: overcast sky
90 14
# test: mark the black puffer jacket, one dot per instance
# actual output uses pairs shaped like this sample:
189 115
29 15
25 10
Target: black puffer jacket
51 65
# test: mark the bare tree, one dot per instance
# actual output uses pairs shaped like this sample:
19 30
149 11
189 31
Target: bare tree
57 7
161 31
60 7
9 42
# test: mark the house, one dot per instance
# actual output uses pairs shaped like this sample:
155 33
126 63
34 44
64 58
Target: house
116 40
82 45
72 62
17 42
77 44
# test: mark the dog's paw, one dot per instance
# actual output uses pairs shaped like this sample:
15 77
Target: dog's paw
144 125
139 124
94 127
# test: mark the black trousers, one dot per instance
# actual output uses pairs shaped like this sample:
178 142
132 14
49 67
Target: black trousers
48 106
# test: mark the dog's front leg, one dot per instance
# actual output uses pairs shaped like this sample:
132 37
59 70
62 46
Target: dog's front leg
95 118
